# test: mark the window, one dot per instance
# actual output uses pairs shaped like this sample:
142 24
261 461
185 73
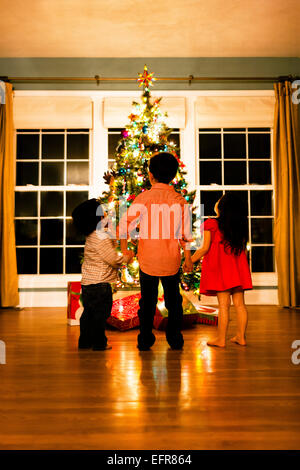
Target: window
52 179
239 159
114 136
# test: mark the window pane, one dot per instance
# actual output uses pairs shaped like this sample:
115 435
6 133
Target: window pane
25 204
28 146
234 146
52 174
235 173
259 129
232 129
260 172
259 145
27 173
78 173
53 146
78 146
73 260
52 203
51 260
210 146
210 173
212 129
51 232
26 232
262 230
262 259
74 198
209 199
243 196
113 140
261 202
73 237
27 260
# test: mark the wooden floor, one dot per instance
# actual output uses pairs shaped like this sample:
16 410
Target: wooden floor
54 397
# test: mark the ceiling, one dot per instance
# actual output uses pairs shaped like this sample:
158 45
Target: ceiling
150 28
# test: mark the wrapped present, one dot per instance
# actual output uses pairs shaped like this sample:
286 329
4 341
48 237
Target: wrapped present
124 313
75 307
207 315
190 312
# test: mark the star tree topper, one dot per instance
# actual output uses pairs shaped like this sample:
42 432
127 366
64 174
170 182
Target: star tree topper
146 79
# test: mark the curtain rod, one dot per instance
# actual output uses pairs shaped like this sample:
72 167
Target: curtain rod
188 79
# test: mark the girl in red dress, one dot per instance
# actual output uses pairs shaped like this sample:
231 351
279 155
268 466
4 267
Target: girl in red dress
225 269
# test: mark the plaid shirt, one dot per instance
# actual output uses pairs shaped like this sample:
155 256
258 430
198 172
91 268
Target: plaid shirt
101 260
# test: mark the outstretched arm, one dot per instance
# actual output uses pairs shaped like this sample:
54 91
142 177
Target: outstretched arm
204 249
188 264
131 215
123 245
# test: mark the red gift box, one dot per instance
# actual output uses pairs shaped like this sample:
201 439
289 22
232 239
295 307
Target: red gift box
75 307
124 313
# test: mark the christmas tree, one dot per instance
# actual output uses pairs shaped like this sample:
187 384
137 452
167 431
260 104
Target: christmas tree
145 134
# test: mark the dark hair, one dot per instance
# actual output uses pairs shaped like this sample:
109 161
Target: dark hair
85 217
163 167
233 223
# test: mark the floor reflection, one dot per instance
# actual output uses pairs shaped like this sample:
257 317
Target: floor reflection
160 378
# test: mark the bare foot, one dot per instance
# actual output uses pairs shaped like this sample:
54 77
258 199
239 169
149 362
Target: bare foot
216 342
237 340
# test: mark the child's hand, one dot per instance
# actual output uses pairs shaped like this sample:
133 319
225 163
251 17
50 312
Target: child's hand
128 255
188 266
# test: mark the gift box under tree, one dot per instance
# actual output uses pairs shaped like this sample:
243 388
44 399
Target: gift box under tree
190 313
207 315
75 306
124 313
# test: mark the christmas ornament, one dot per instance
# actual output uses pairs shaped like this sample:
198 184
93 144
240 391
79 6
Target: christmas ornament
132 117
146 79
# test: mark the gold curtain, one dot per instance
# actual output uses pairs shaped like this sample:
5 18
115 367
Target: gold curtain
287 202
9 295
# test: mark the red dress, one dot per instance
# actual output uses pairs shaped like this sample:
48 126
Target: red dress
222 270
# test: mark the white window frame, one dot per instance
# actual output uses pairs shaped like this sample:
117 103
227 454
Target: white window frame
57 188
246 187
35 290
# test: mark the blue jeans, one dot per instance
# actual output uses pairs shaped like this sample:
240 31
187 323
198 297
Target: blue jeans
97 303
148 301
